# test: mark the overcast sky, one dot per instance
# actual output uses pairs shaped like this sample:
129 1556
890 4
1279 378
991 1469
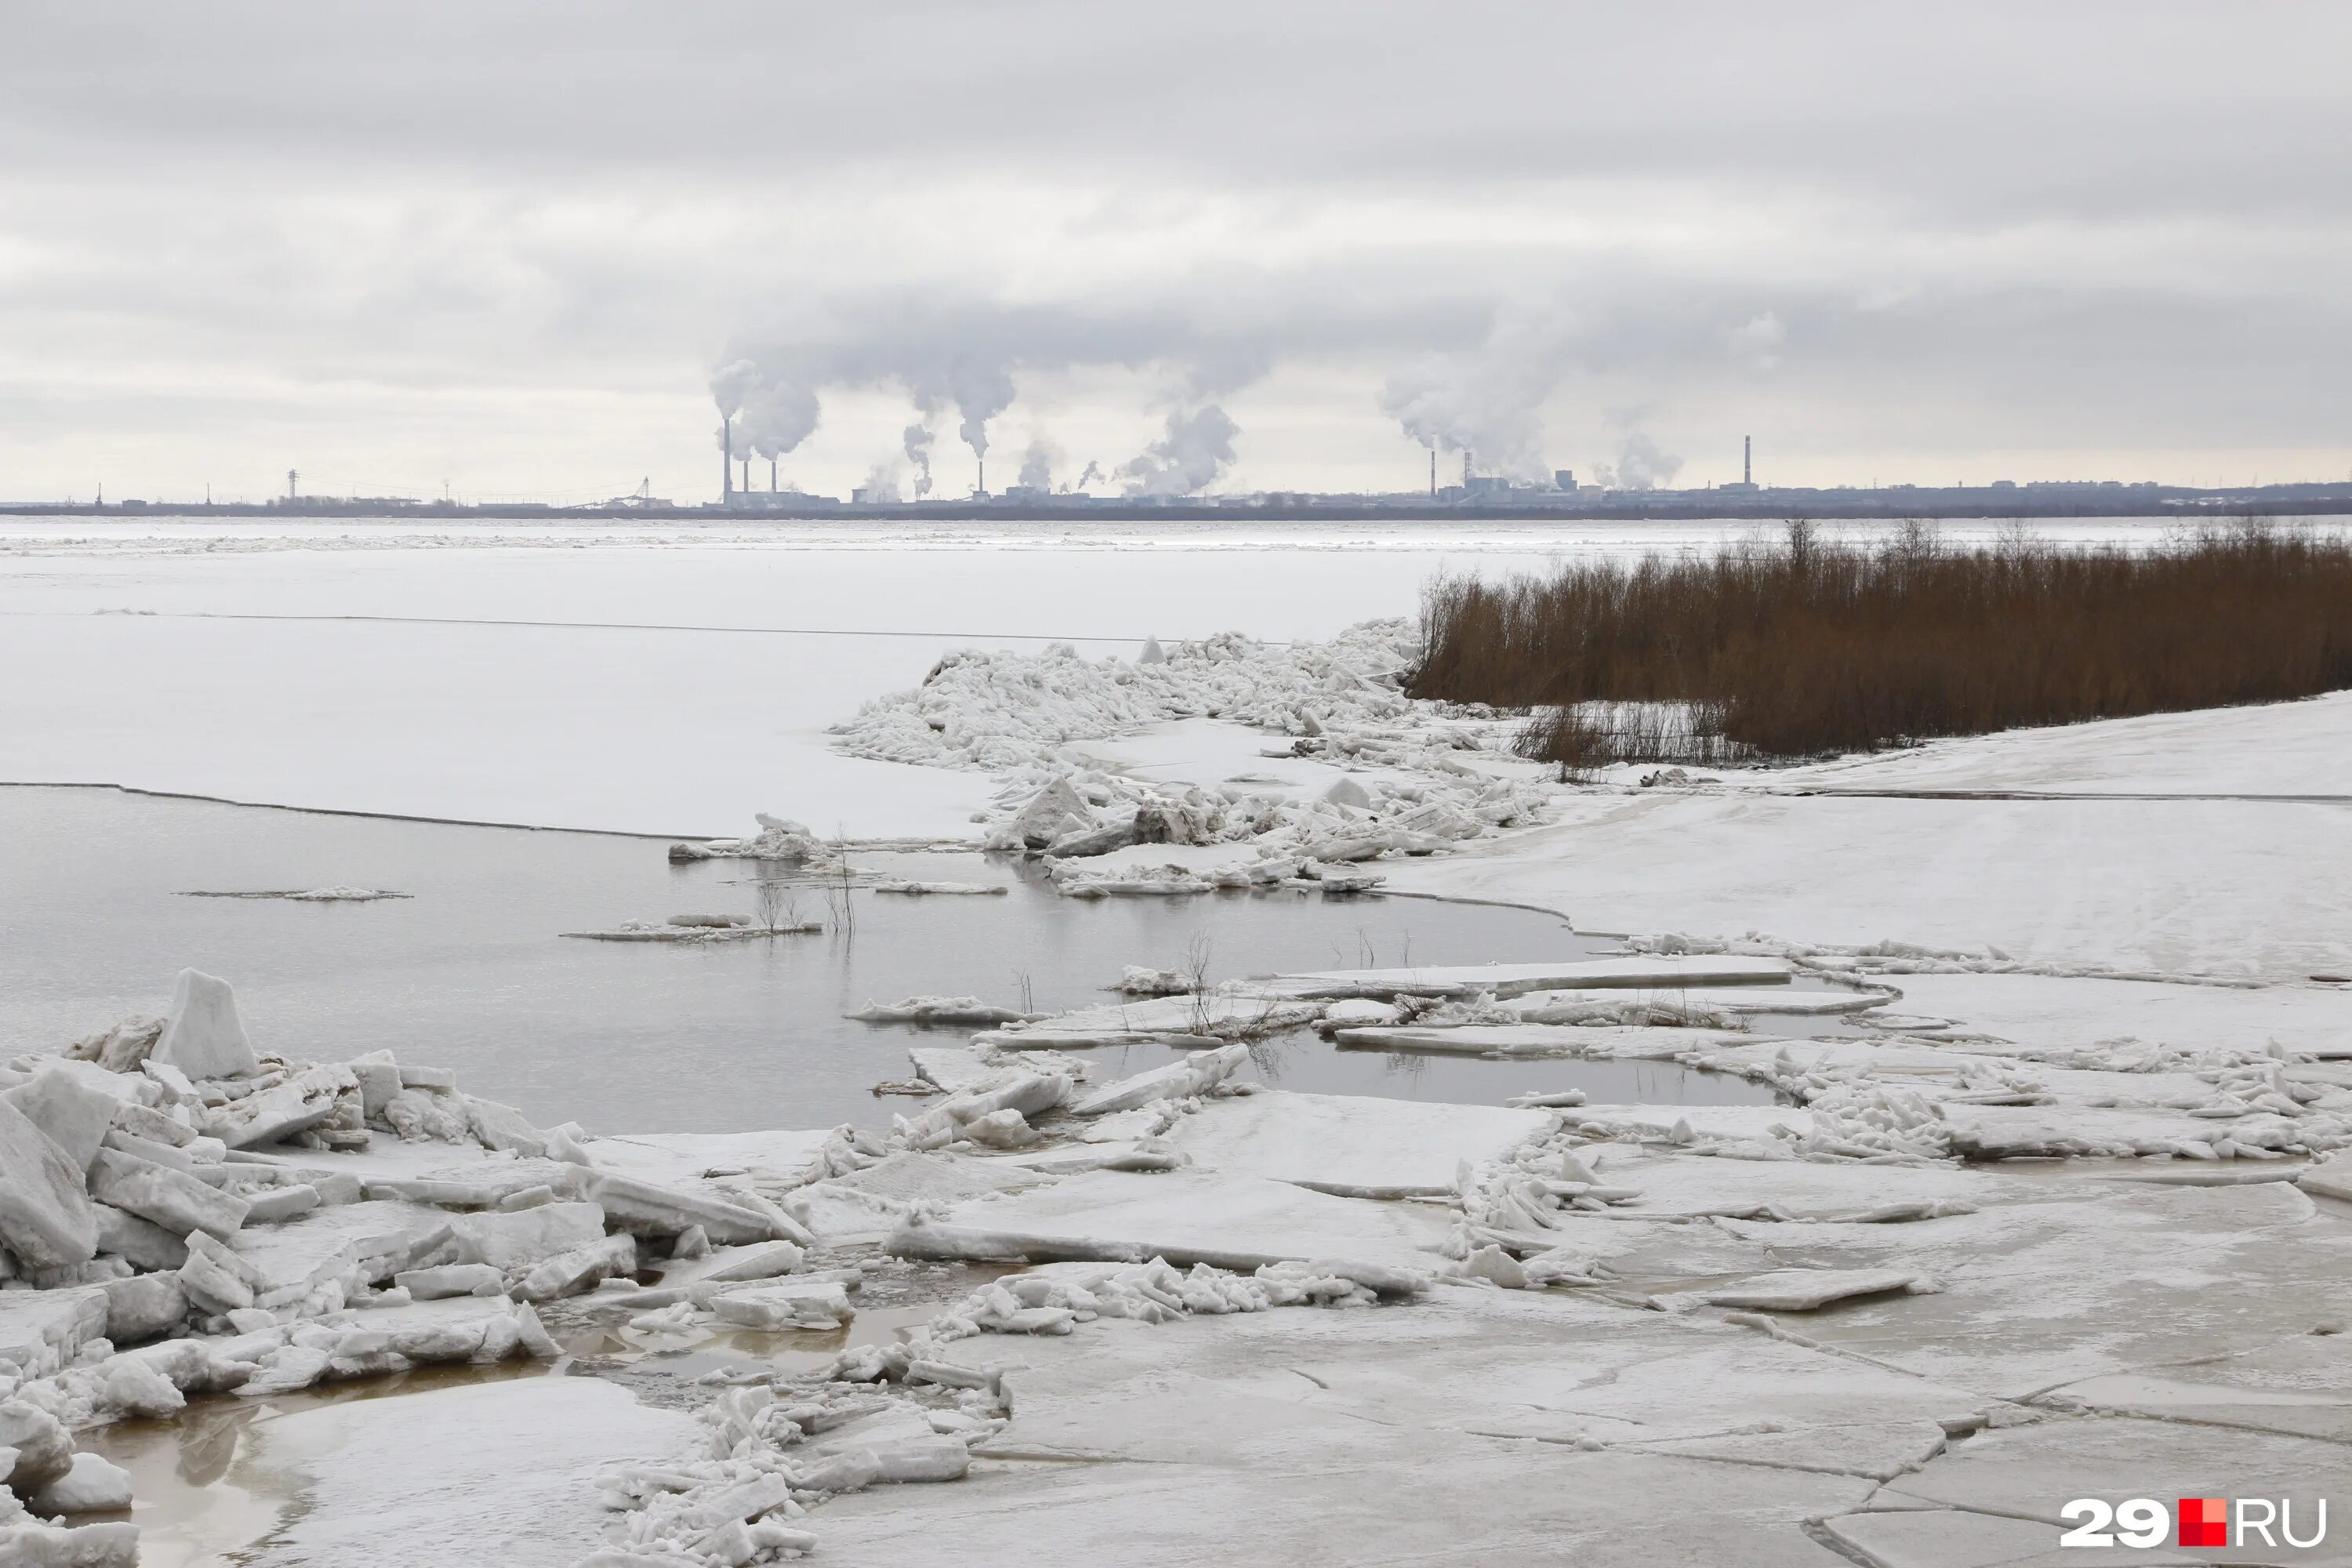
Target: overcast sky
507 246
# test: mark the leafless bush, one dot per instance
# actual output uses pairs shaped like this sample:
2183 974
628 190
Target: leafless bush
1811 645
1195 971
776 906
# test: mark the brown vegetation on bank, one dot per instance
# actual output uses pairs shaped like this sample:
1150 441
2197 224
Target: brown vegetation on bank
1808 645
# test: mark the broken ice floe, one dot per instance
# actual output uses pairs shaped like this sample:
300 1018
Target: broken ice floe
1826 1293
699 929
339 894
182 1215
941 1010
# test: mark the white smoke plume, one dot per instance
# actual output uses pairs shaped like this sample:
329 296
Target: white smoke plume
1642 465
916 439
1489 401
1037 462
1194 454
730 383
964 355
983 390
881 482
776 416
1093 471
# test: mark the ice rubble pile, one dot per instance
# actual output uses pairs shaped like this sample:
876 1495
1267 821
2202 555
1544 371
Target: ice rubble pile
1016 714
996 713
180 1215
904 1413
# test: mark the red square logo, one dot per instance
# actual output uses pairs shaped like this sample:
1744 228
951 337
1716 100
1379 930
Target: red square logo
2204 1522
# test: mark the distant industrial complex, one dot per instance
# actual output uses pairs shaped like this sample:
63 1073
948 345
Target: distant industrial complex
1475 495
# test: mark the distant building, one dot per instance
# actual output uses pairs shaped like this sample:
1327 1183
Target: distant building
1564 480
1026 495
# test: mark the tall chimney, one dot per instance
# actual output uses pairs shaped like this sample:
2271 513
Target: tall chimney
772 476
1466 470
1746 456
727 459
1432 473
747 473
983 477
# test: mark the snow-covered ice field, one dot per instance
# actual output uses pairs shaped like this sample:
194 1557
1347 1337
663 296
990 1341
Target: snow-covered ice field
2062 1207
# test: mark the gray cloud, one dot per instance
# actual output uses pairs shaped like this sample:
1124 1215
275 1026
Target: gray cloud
450 237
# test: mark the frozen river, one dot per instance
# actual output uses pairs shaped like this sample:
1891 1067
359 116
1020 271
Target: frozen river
647 677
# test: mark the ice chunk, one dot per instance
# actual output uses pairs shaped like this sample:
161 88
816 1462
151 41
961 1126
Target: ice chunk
1180 1079
503 1128
797 1304
144 1307
937 1010
1804 1290
92 1486
141 1243
172 1199
1348 792
274 1205
75 1115
201 1035
112 1544
280 1111
41 1449
45 1218
645 1209
526 1236
950 1067
2330 1177
568 1273
1054 811
121 1048
450 1279
967 889
758 1262
41 1331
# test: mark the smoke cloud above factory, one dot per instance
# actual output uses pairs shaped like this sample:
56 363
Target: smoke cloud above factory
1167 252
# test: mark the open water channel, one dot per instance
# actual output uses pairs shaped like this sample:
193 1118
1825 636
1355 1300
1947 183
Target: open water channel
471 972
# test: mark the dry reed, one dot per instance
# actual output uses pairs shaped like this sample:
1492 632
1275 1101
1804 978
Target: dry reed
1808 646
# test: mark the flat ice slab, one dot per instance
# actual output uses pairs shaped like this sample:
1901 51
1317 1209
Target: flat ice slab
1188 1216
1349 1146
2072 1013
496 1473
669 1159
1667 972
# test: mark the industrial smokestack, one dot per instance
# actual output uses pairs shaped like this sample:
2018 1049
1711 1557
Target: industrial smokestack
1747 459
747 473
725 458
772 476
983 479
1432 473
1466 468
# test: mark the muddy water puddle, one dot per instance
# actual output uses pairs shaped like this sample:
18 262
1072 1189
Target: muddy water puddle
218 1482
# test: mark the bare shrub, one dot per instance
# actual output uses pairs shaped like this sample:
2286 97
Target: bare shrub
1810 646
776 906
